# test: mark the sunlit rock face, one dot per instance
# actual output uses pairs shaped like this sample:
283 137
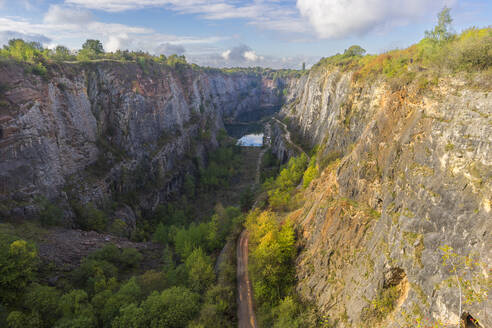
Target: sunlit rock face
95 130
414 176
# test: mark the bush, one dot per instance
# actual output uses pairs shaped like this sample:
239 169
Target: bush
121 258
50 214
88 217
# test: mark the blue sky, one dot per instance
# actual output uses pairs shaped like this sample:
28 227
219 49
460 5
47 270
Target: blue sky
225 33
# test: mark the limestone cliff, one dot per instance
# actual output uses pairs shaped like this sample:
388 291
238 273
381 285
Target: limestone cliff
99 130
414 176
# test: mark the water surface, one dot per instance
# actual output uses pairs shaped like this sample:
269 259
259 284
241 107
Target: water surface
251 140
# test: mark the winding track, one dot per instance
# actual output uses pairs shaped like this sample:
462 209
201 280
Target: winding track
287 136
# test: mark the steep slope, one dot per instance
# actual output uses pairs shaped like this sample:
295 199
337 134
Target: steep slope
101 130
414 178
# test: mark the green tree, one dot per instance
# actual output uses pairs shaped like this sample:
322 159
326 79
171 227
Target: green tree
219 308
61 53
354 50
76 310
311 172
91 49
88 217
172 308
200 271
18 319
189 186
161 234
152 281
50 214
186 240
18 261
272 254
442 31
131 316
127 294
43 301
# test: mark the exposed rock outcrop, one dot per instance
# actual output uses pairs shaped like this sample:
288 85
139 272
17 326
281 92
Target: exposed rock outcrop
416 176
100 130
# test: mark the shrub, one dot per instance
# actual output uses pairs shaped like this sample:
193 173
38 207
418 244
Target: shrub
50 214
88 217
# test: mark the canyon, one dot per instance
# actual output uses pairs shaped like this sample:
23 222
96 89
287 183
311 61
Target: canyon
405 172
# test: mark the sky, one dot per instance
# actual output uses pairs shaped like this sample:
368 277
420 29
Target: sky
232 33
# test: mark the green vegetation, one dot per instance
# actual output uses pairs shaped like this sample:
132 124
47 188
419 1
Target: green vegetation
381 306
108 289
311 172
272 254
222 165
18 260
281 189
50 214
438 53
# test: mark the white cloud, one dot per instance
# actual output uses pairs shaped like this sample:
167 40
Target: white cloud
270 15
170 49
5 36
251 56
226 54
244 56
71 27
340 18
62 15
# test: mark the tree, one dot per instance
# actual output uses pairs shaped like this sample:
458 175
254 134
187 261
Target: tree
303 66
272 253
43 301
18 262
200 270
442 31
310 173
189 186
61 53
91 49
50 214
173 308
354 50
76 310
18 319
129 293
131 316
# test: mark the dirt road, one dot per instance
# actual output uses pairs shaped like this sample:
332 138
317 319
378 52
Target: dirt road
287 136
246 314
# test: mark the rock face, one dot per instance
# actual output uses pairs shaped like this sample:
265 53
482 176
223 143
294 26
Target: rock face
414 177
100 130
